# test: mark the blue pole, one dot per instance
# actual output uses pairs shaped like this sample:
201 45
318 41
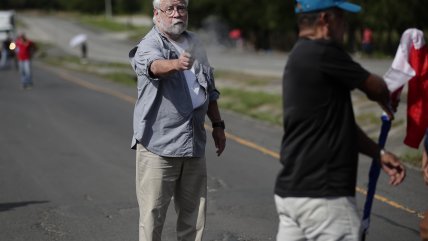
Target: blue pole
374 175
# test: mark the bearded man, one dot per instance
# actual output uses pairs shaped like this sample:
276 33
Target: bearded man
176 90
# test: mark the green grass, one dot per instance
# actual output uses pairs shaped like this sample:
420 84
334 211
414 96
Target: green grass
116 72
253 80
136 36
102 22
375 119
262 106
121 77
135 33
413 157
368 118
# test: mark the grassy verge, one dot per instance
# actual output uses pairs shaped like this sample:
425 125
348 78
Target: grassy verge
116 72
100 22
259 105
413 157
247 79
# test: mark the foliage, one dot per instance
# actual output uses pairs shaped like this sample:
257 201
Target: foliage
413 157
259 22
390 18
265 24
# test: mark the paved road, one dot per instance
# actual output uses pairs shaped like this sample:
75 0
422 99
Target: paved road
66 171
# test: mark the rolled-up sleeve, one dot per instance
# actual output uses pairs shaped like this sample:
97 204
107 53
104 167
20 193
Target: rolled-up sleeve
147 51
213 93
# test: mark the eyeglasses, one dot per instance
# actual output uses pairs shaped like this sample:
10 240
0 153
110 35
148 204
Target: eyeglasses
182 10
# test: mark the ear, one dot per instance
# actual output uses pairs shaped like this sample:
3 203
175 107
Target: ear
155 14
323 18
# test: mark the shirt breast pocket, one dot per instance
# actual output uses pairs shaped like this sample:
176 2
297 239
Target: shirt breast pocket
205 76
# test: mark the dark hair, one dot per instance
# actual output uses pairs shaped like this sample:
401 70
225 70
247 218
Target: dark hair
307 19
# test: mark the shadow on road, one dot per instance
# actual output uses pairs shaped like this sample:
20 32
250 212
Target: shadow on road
10 206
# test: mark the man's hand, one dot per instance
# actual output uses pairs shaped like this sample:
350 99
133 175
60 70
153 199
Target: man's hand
184 62
219 140
425 166
424 227
392 166
388 109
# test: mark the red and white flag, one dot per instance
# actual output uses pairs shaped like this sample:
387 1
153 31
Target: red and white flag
410 66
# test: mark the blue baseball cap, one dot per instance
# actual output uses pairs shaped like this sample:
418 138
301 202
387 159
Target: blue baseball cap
305 6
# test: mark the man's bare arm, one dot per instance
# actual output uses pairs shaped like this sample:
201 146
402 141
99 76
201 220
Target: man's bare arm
390 163
218 133
376 89
162 67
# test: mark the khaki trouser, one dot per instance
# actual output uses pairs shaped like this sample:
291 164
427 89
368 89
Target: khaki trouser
322 219
158 179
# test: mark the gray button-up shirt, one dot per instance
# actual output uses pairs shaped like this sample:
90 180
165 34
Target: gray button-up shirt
165 122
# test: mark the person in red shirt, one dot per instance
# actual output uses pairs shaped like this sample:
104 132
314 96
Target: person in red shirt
367 41
25 49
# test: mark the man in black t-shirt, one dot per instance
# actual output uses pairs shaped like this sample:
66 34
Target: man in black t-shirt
315 191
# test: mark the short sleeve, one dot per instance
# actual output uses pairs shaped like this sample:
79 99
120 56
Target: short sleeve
339 67
213 93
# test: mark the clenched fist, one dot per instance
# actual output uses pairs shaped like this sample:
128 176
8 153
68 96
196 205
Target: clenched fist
185 61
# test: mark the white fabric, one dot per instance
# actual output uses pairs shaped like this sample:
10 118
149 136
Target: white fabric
196 92
317 219
400 71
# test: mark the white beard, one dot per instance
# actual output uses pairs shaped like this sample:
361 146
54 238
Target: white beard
175 29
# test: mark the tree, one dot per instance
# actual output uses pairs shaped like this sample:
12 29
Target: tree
390 18
265 24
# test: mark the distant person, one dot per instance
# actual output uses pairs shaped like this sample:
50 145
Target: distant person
25 49
4 62
84 51
367 41
236 36
81 41
176 91
315 190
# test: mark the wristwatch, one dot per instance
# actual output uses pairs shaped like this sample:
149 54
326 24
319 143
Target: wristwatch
219 124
